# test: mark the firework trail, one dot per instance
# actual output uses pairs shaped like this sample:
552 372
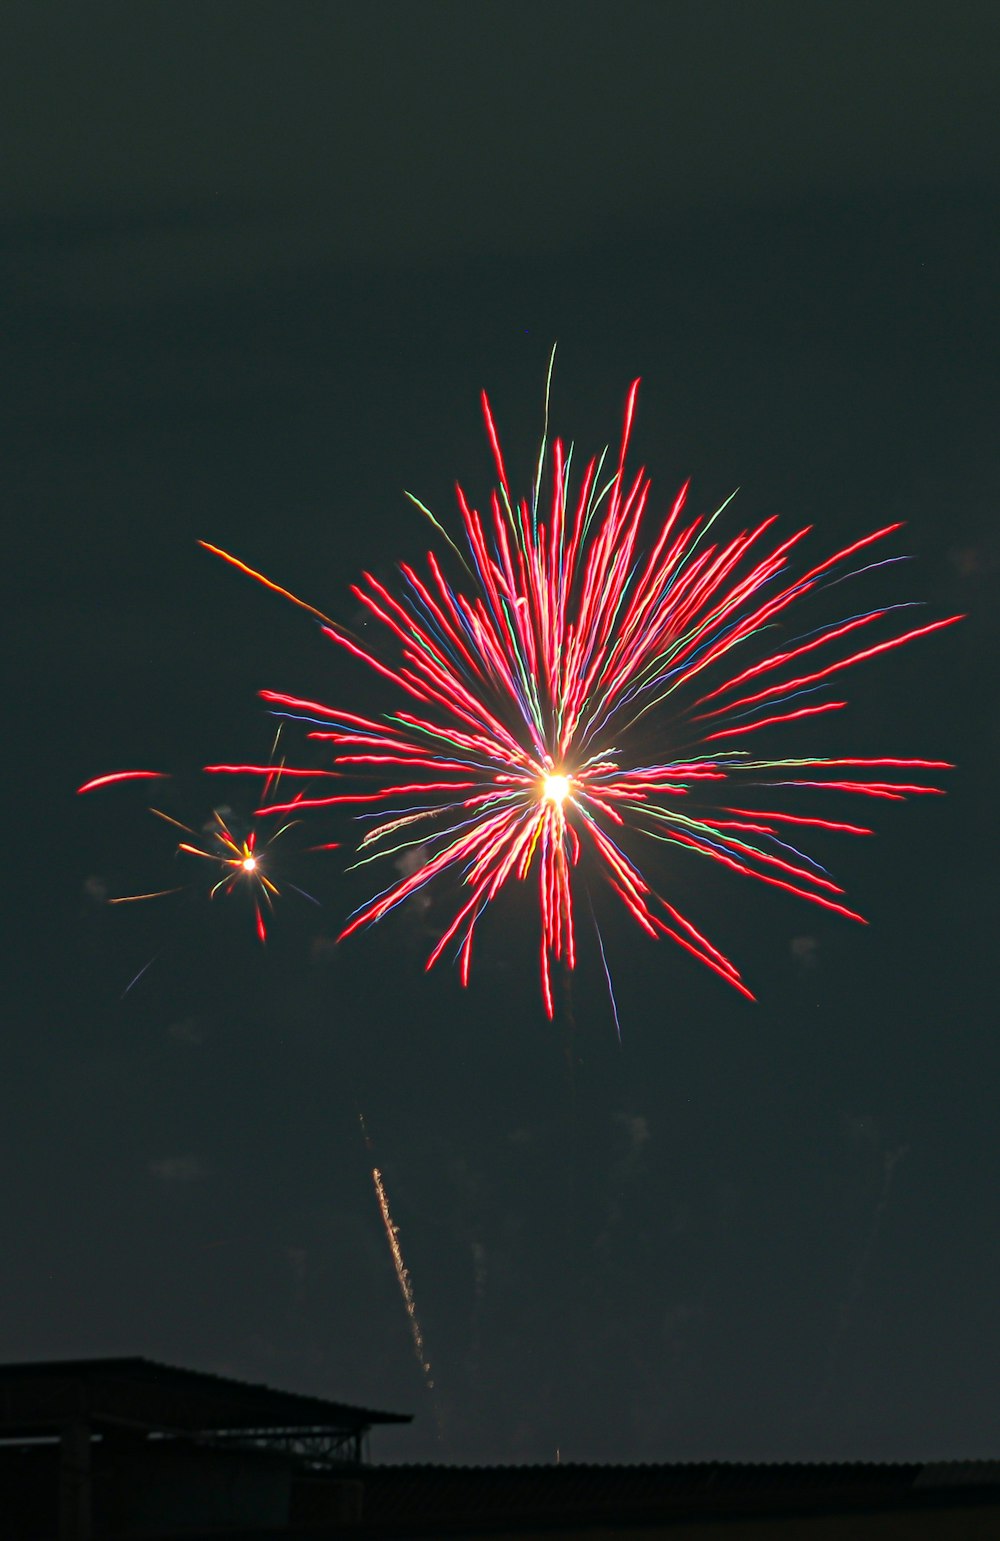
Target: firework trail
402 1272
581 688
849 1305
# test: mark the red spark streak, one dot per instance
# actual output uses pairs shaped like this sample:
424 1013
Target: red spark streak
134 775
263 770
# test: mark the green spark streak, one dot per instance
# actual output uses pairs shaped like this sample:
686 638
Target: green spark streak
440 527
542 447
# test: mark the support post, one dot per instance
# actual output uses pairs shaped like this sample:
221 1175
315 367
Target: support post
75 1513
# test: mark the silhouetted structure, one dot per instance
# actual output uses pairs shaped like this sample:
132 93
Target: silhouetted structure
130 1450
128 1447
701 1501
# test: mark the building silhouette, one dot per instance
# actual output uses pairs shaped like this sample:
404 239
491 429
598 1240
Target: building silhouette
132 1450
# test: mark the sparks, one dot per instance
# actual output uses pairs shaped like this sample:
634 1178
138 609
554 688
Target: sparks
240 862
581 688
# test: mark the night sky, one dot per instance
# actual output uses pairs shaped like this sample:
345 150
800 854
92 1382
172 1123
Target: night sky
257 261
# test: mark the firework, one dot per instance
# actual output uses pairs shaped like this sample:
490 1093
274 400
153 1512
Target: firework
521 757
240 862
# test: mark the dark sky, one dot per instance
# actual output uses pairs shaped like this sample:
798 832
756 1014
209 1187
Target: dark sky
257 262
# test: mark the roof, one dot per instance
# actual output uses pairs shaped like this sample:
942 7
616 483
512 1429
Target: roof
40 1398
452 1496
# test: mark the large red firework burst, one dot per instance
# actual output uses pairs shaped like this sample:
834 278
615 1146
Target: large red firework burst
527 679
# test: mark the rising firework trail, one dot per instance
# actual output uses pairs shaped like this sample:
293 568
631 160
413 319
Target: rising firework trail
579 688
402 1272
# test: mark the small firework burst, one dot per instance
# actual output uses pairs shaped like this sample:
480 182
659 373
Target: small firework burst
243 860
